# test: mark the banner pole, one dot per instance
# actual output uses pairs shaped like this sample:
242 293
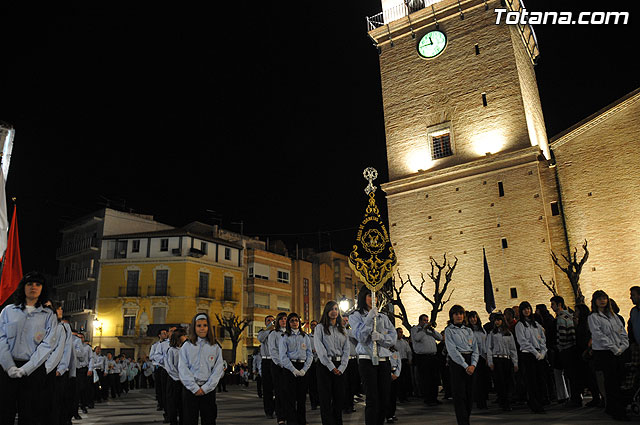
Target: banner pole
374 357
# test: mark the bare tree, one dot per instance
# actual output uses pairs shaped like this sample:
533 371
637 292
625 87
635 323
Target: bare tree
551 286
440 275
233 327
391 294
573 269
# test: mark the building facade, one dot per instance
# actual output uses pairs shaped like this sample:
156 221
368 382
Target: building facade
152 280
79 254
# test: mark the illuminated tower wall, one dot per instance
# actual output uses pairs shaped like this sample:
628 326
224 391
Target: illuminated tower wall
467 154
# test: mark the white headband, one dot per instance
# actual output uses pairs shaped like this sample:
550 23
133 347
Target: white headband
201 317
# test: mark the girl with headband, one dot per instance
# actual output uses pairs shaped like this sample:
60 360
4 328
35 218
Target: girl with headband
200 369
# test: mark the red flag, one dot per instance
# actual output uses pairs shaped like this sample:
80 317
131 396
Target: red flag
12 264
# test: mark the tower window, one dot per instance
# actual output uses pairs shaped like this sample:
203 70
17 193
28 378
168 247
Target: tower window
504 243
514 292
477 49
555 209
441 145
500 189
484 99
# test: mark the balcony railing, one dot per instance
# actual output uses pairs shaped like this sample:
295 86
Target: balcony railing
76 247
158 291
229 297
397 12
76 276
205 293
122 331
129 291
78 305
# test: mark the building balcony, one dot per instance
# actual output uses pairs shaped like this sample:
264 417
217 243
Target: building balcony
79 305
230 298
122 331
158 291
129 291
75 276
207 294
77 247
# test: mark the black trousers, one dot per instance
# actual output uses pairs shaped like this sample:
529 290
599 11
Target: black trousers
428 375
503 379
71 400
294 395
158 386
570 363
352 381
377 386
61 388
48 396
101 388
462 391
22 396
393 394
533 371
404 385
203 407
331 389
259 385
267 387
82 382
174 402
313 383
276 375
112 382
162 384
613 369
481 383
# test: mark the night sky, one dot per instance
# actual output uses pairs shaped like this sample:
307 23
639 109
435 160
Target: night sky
263 113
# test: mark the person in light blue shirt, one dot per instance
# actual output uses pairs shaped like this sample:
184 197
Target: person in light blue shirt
157 357
112 375
174 385
375 377
396 371
609 341
200 367
482 379
84 378
332 348
295 357
502 358
533 350
276 366
57 368
97 366
266 381
463 355
27 338
352 378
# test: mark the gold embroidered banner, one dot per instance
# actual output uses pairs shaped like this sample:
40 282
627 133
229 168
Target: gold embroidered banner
372 258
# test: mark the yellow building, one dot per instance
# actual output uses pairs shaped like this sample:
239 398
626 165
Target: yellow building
156 279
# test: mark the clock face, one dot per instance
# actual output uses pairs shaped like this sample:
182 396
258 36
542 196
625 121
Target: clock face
432 44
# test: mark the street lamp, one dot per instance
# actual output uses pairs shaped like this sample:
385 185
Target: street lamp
97 326
344 304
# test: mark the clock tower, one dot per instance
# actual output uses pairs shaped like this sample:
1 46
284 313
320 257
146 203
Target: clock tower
467 149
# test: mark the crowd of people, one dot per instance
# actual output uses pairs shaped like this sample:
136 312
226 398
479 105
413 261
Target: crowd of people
523 355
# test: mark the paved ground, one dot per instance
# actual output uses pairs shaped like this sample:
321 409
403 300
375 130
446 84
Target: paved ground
241 406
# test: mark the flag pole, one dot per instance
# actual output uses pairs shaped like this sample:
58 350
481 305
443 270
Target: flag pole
4 254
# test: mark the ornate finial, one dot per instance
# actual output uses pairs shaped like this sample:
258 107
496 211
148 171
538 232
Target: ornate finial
370 174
